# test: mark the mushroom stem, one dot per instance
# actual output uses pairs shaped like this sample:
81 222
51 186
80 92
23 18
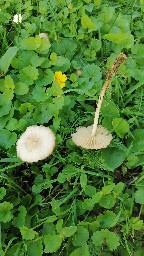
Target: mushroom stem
118 61
97 112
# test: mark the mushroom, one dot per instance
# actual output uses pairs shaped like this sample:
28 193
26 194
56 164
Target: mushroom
96 136
45 36
36 143
84 139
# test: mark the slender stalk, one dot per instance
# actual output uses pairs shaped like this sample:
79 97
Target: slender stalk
118 61
97 112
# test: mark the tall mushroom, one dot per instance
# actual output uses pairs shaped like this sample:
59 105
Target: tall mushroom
96 136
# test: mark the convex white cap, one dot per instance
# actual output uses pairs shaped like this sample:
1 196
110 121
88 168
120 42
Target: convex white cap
36 143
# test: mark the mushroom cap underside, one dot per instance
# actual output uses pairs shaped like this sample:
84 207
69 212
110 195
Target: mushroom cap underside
83 138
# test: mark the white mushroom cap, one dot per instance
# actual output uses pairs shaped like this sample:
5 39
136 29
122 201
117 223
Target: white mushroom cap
36 143
45 36
84 139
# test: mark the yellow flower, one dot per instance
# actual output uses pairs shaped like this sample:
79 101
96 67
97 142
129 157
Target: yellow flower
60 78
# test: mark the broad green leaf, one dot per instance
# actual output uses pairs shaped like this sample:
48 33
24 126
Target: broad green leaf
90 190
14 250
22 124
139 196
107 201
29 72
5 109
48 229
112 240
73 78
59 225
132 160
81 251
66 47
42 114
26 107
83 180
31 43
107 220
108 189
3 122
138 75
52 243
58 102
21 88
120 126
96 197
69 231
43 6
44 47
92 71
97 3
113 157
19 221
138 51
106 14
119 187
39 93
6 59
53 57
56 206
36 61
5 211
87 23
27 233
136 223
7 138
109 111
55 90
49 76
77 252
6 97
85 249
136 141
56 123
12 124
81 236
62 64
9 83
87 204
35 248
98 237
126 40
123 22
51 218
2 193
27 58
5 119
